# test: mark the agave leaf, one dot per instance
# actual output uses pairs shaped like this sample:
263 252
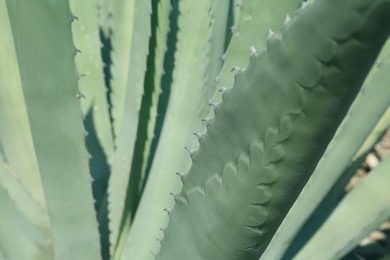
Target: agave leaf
160 11
86 39
144 152
336 193
219 21
15 136
123 193
121 23
104 15
257 18
237 10
161 184
49 80
183 109
19 238
100 143
153 90
248 170
333 172
22 198
375 135
368 204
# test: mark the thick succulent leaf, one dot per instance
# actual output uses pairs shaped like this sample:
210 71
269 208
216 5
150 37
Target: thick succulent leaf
219 22
336 193
99 170
153 81
45 51
272 129
22 198
185 99
89 65
369 205
15 136
104 16
249 34
375 135
255 20
150 112
163 180
333 171
19 238
123 193
95 108
121 22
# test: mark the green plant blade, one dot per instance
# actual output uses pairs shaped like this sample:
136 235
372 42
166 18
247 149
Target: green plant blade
104 15
123 193
368 204
332 172
95 108
256 158
19 239
153 80
2 255
374 136
146 132
219 21
121 23
161 183
45 51
237 10
15 136
88 61
22 198
337 191
250 32
183 109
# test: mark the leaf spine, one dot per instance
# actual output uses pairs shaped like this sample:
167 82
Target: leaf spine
270 33
168 211
80 76
76 51
181 176
207 121
213 104
239 4
80 95
287 20
223 91
73 18
253 51
303 5
233 29
236 70
198 135
190 151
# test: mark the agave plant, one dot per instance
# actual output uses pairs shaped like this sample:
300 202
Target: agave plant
276 102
